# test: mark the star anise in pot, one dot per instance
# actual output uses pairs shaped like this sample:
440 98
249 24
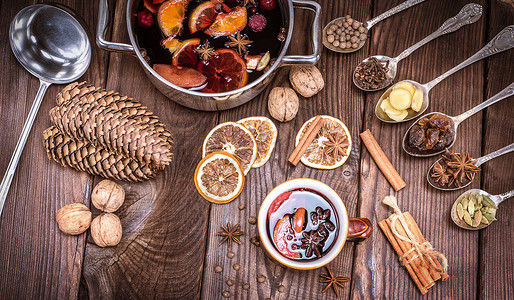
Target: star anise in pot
205 51
239 42
312 242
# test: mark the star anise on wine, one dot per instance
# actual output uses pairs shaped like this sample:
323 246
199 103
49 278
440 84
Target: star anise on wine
245 2
230 234
336 145
440 174
205 51
312 242
333 281
461 166
239 42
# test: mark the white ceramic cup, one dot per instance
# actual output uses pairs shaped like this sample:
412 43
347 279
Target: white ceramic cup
360 228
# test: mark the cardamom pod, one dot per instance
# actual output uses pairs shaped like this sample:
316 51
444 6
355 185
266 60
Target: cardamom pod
489 217
467 218
489 203
484 220
490 210
479 199
464 202
471 207
478 217
460 211
478 207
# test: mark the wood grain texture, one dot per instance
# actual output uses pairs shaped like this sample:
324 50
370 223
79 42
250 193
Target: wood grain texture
34 251
496 257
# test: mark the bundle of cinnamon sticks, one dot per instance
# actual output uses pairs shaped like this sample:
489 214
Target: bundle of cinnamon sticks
415 253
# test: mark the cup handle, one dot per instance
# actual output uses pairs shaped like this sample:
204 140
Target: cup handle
359 229
316 35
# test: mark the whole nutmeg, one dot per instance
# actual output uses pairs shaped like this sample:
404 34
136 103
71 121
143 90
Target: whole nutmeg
283 103
106 230
108 196
306 80
73 218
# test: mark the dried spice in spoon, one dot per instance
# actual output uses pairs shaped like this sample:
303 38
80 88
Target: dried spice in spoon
371 74
454 169
432 133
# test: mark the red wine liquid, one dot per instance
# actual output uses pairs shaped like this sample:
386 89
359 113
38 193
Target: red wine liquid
314 224
263 41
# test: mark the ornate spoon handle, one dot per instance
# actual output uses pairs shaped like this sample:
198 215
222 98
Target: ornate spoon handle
504 196
506 92
391 12
501 42
469 14
494 154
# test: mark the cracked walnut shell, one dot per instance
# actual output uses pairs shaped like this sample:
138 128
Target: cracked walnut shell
106 230
73 218
283 104
108 196
306 80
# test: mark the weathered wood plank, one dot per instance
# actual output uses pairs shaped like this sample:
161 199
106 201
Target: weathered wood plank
430 208
164 220
35 252
495 273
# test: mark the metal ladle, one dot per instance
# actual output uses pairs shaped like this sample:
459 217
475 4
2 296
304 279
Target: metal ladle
504 40
469 14
506 92
368 24
479 161
497 199
52 44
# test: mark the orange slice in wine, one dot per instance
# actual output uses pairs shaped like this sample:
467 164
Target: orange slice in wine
185 55
228 23
225 71
202 16
170 16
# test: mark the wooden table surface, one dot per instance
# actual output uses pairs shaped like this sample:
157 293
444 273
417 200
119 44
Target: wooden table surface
169 248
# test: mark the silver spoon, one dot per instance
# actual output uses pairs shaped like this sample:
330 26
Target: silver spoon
497 199
504 40
469 14
368 25
52 45
505 93
479 161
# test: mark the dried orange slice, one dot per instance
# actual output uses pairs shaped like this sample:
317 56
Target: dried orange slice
234 139
228 23
331 146
219 177
170 16
265 134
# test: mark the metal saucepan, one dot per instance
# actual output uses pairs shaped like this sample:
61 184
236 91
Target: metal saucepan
214 101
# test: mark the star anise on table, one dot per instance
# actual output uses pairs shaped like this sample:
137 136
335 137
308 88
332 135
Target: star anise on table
333 281
205 51
230 234
312 241
440 174
461 166
336 145
239 42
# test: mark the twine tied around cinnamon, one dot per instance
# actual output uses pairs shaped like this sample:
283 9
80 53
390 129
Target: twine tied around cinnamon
423 250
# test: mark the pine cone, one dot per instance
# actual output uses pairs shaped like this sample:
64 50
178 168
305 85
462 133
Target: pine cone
95 160
117 123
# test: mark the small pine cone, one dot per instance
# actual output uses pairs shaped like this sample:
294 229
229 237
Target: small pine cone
118 123
95 160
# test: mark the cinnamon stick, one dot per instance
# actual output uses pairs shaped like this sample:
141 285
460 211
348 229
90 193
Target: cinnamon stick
382 161
306 140
422 271
387 231
416 231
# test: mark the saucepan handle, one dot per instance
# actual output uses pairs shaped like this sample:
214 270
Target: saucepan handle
359 229
101 31
316 35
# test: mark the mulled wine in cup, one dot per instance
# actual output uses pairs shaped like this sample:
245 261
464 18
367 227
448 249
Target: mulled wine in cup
303 224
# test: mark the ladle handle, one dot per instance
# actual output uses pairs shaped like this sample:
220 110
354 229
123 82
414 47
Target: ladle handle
506 92
9 173
504 196
501 42
392 11
494 154
469 14
101 31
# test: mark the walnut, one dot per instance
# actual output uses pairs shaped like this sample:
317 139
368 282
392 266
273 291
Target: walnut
108 196
73 218
283 103
106 230
306 80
